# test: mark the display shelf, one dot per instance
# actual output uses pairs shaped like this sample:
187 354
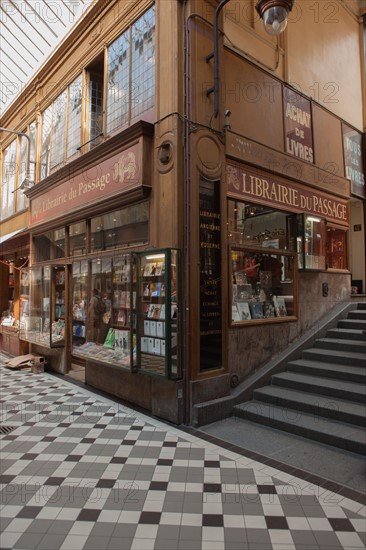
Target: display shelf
157 293
42 319
263 285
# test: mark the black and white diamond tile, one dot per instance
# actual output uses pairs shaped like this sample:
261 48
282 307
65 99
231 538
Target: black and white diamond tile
82 472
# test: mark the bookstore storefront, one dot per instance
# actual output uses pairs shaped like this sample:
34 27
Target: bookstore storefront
97 292
279 230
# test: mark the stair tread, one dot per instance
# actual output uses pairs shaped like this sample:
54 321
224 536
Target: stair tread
331 367
343 406
337 353
306 421
357 343
321 381
351 334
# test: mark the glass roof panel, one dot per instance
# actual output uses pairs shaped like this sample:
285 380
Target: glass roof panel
30 30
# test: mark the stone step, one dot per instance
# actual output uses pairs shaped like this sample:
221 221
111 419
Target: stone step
357 314
335 356
346 334
331 432
320 385
361 305
328 370
358 324
357 346
317 405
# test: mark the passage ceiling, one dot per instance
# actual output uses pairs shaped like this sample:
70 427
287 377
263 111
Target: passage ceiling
29 31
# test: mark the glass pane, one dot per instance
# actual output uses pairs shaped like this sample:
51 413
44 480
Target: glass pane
58 130
77 239
58 305
21 198
46 142
50 246
79 302
8 180
35 314
103 310
262 284
96 110
336 248
74 117
126 226
32 160
118 82
256 225
314 245
143 64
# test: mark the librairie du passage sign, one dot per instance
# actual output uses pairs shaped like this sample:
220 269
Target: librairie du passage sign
256 186
111 176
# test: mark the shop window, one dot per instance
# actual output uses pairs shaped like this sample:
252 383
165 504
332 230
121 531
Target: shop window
103 310
50 245
122 227
311 242
263 285
43 305
77 239
254 225
336 248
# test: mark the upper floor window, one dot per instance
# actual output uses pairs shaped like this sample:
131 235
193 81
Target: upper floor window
8 181
61 128
15 170
131 73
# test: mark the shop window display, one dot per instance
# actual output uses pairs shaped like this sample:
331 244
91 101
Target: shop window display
336 248
43 306
263 284
103 311
158 313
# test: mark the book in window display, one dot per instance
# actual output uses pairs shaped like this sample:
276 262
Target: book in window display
235 313
268 310
244 311
257 310
280 307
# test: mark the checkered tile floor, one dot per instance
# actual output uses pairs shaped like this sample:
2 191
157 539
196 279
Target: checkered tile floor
79 471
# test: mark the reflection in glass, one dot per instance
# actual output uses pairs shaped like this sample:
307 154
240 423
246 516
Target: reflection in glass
126 226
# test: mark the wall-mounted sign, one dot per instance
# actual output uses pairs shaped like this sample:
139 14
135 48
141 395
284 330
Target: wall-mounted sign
357 227
258 186
353 161
109 177
298 125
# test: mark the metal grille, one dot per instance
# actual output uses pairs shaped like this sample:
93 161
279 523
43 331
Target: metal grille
5 430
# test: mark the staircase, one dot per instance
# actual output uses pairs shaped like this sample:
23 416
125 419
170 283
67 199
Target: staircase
321 396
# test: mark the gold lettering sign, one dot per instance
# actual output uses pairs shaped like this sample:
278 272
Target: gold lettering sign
257 186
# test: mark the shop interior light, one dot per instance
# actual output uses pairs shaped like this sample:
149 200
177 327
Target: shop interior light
311 219
155 256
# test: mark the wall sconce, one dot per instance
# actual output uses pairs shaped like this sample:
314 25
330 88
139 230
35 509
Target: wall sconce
274 14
